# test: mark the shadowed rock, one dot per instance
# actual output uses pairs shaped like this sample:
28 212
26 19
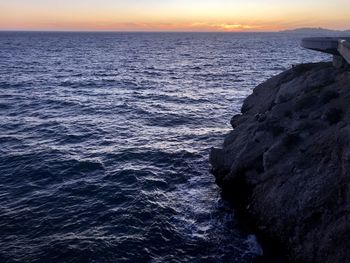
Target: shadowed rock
288 162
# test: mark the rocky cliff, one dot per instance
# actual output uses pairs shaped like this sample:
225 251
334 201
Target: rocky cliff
287 162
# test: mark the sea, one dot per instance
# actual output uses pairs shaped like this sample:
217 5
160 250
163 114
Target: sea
105 138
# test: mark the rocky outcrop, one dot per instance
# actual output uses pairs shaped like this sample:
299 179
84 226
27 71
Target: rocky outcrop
287 161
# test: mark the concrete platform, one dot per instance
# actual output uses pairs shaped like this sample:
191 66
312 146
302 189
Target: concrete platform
339 47
344 49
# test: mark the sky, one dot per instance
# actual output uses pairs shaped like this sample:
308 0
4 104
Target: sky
172 15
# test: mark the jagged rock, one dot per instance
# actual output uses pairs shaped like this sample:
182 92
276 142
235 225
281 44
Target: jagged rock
288 161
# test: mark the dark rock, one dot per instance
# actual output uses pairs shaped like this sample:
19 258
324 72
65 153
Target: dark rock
329 95
288 162
237 120
332 115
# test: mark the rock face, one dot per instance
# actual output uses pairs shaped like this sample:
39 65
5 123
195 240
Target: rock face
287 161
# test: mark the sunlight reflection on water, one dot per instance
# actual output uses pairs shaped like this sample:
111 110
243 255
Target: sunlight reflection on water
105 140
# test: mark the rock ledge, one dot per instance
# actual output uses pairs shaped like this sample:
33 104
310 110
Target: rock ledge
287 162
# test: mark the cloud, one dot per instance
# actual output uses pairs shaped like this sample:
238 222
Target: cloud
235 27
225 26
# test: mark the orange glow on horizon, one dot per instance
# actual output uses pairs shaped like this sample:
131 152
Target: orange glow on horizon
173 15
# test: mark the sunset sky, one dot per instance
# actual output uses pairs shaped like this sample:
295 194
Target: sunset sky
173 15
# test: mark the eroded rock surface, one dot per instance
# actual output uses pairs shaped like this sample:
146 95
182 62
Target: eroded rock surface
288 159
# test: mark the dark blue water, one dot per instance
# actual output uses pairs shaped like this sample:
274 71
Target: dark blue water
105 139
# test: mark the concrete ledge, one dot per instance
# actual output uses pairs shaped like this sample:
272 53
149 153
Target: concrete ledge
339 47
344 50
323 44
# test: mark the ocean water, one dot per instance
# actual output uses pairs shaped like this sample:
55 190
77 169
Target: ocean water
105 140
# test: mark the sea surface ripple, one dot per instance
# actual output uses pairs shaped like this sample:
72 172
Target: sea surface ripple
105 140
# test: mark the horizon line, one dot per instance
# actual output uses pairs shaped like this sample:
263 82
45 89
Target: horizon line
131 31
166 31
100 31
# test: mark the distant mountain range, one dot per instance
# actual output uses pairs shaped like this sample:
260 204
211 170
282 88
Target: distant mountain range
317 31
